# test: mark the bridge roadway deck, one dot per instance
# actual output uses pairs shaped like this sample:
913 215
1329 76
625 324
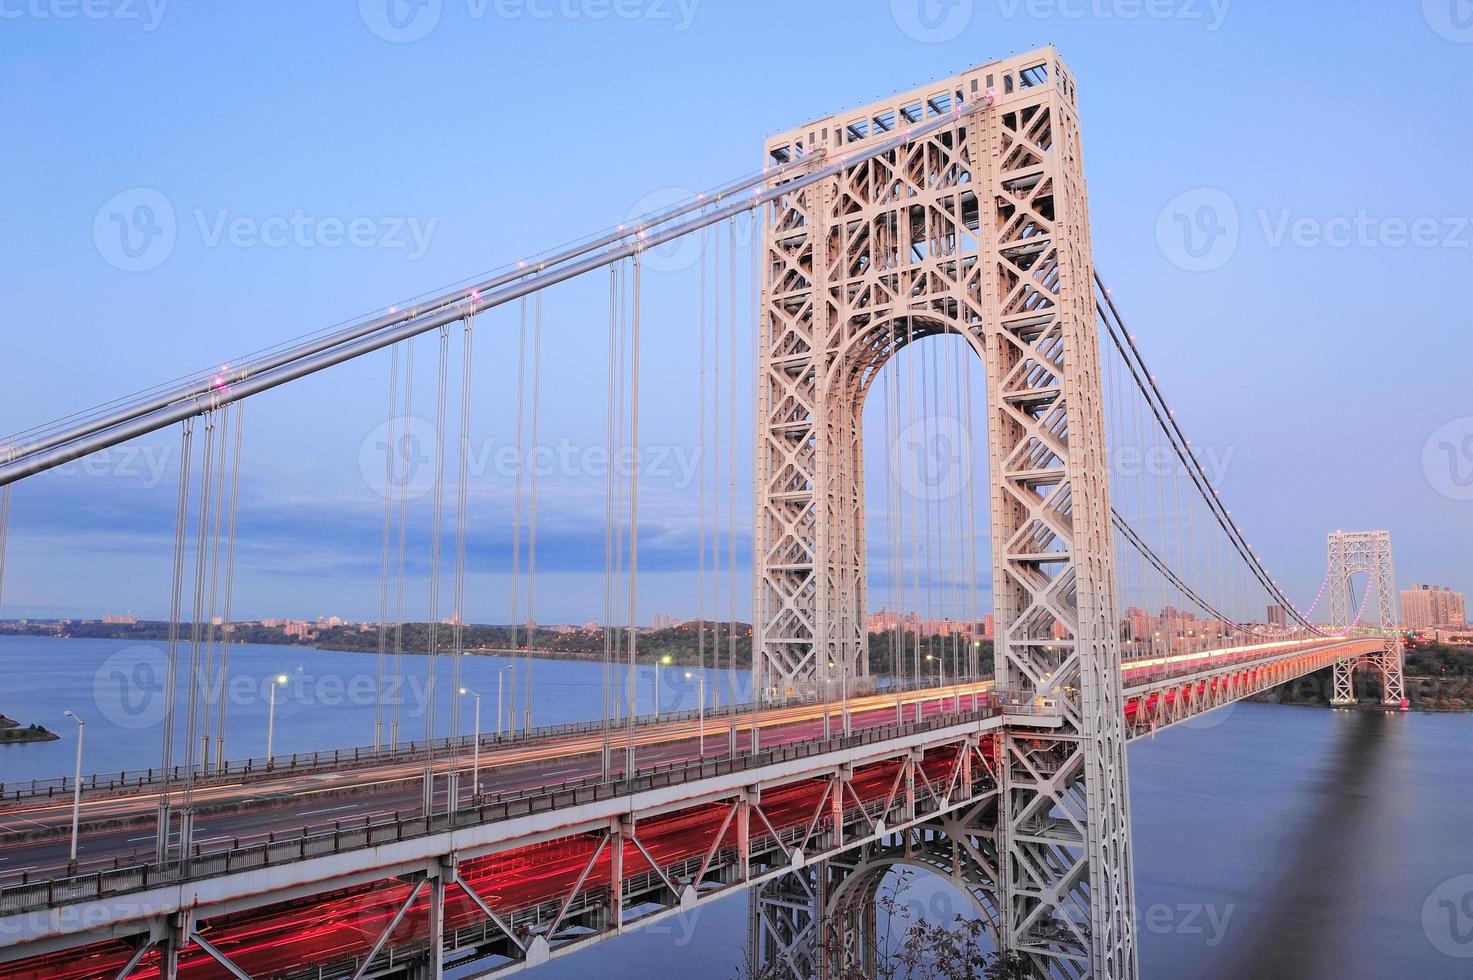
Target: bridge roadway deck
677 822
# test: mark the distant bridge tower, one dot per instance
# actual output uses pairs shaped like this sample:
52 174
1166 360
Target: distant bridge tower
978 228
1353 552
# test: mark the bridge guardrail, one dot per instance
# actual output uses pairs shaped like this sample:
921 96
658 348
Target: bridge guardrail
263 767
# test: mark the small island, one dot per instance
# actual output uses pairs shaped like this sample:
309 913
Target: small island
12 731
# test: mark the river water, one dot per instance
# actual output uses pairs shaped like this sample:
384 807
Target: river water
1270 841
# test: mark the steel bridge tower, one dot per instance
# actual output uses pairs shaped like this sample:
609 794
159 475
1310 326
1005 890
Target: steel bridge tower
1353 552
980 229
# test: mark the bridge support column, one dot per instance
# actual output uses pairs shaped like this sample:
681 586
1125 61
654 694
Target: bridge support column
1342 691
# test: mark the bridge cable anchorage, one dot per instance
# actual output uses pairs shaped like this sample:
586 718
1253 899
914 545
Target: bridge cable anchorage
462 490
128 408
437 504
1181 447
384 564
171 672
84 438
406 444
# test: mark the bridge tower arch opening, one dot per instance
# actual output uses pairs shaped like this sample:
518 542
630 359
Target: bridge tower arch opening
1366 553
979 227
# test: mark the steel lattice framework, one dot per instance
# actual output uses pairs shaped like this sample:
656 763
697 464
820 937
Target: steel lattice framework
980 229
1353 552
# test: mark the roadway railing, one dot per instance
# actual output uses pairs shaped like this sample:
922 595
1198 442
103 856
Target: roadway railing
299 763
32 895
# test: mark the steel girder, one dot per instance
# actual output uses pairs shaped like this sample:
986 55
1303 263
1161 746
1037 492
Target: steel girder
1353 552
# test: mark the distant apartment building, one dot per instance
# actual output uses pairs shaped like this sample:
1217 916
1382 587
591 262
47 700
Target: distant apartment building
1428 606
303 629
128 620
1277 615
663 621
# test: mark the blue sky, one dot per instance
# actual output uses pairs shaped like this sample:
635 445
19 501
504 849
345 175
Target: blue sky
1301 333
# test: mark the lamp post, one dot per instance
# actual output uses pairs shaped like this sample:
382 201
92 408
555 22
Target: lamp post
476 749
500 716
664 662
77 783
702 710
276 682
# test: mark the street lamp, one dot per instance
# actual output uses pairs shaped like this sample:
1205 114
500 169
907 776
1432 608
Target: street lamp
476 751
500 676
278 681
76 782
664 662
702 710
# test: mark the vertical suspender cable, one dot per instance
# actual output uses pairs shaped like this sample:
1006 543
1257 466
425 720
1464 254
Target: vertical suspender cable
403 488
532 511
516 529
462 489
633 498
436 514
171 674
731 391
196 630
225 627
383 583
609 481
4 525
208 675
701 473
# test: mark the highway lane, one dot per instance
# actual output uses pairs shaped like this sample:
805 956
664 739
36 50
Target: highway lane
317 801
279 939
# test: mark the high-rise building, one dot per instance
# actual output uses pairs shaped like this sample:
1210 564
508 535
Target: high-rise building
1277 616
1427 606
